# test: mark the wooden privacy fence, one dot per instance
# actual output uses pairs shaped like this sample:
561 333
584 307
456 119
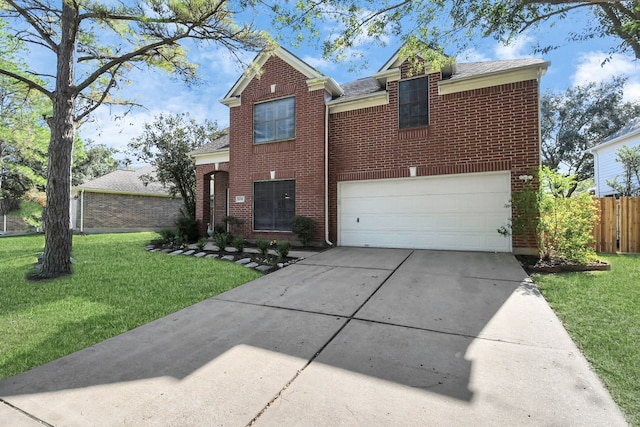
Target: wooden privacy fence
618 227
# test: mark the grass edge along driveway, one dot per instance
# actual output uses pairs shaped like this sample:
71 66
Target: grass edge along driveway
601 312
116 286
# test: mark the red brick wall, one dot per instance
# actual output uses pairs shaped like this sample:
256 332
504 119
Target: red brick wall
481 130
204 174
301 159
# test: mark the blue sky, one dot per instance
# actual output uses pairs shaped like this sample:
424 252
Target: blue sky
571 64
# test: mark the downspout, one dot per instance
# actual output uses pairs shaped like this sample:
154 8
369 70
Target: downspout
326 175
82 211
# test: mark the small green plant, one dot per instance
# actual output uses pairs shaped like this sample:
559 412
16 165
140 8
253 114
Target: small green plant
201 243
187 228
263 246
304 228
282 248
167 238
239 243
221 240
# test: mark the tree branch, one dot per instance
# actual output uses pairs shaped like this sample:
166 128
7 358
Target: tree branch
46 36
30 83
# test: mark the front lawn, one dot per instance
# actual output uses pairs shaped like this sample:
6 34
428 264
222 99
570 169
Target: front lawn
116 286
601 312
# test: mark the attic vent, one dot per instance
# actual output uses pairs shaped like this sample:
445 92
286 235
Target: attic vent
447 71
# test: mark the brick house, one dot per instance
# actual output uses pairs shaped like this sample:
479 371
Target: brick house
120 202
392 160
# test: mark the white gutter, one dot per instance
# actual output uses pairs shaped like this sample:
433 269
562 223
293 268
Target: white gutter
82 210
326 175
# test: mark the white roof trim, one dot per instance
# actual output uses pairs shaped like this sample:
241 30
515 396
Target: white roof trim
232 99
220 156
513 75
613 141
357 103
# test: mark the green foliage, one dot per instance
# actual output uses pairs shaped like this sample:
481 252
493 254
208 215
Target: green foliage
202 242
92 161
453 27
574 121
95 45
263 246
283 248
304 228
167 238
630 159
221 240
239 243
31 213
165 144
187 228
563 225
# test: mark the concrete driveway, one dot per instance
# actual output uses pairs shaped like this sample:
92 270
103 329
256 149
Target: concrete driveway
346 337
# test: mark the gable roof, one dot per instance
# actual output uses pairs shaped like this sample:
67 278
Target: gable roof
125 181
371 91
313 76
629 130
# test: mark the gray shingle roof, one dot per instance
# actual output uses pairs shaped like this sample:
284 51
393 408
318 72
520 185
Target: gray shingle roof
369 85
126 181
632 126
474 69
220 144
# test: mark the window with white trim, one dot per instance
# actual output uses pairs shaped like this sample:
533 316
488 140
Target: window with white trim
274 120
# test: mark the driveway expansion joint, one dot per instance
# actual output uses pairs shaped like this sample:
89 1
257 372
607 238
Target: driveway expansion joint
26 414
340 329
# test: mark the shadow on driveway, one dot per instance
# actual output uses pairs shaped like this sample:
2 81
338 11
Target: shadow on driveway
338 323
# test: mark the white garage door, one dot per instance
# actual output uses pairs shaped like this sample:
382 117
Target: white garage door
457 212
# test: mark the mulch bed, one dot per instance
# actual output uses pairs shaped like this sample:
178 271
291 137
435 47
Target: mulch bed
533 264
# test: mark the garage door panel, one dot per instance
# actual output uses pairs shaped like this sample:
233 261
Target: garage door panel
460 212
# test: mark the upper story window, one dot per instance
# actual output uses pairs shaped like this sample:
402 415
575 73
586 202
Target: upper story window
274 120
413 102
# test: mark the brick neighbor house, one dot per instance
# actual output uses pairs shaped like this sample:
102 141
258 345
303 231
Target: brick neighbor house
392 160
120 202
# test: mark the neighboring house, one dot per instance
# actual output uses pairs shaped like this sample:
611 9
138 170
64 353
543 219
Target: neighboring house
12 225
605 166
392 160
120 202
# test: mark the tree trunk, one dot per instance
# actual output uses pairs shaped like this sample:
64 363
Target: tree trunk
57 223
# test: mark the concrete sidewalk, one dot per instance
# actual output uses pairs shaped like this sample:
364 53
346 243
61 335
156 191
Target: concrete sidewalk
346 337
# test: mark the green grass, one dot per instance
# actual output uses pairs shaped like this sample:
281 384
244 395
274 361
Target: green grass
601 312
116 286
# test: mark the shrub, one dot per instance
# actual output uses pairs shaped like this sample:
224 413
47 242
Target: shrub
304 228
221 240
263 246
564 225
167 238
282 248
188 228
239 243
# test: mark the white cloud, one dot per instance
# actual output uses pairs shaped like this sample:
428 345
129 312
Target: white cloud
473 55
593 68
517 48
319 63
